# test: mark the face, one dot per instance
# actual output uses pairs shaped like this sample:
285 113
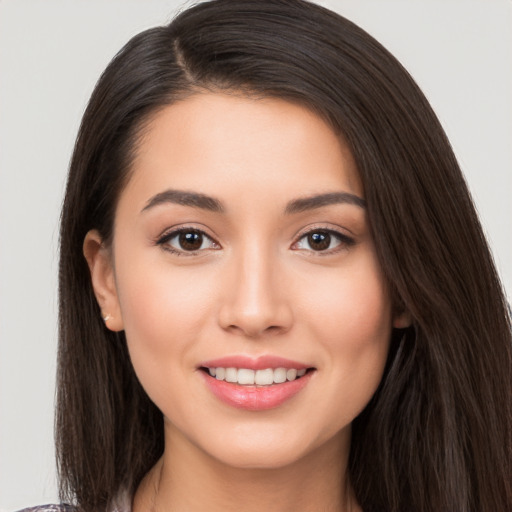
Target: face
244 275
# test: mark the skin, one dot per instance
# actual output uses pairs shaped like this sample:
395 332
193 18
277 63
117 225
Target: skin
255 287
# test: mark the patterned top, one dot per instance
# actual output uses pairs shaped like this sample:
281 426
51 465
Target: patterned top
50 508
122 504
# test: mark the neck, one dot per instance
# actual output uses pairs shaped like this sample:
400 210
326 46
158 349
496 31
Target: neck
186 479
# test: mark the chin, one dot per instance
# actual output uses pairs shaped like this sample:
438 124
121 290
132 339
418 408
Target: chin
257 458
269 449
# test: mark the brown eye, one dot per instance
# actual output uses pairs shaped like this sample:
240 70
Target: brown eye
319 241
323 240
190 241
182 241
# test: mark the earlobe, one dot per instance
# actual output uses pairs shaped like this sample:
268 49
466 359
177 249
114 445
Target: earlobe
402 320
99 260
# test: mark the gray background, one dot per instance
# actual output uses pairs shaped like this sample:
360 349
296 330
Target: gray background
51 54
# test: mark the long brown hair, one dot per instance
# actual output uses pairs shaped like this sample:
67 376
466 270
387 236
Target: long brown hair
437 435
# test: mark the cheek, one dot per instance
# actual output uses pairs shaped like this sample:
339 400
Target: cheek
164 311
352 304
352 323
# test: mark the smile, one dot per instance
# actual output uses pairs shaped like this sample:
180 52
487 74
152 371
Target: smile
257 384
249 377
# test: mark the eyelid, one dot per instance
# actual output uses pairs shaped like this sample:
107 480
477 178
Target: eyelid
174 231
346 241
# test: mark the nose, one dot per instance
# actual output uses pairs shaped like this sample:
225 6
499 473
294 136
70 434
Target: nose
255 301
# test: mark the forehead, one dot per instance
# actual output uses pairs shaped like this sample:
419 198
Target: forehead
214 142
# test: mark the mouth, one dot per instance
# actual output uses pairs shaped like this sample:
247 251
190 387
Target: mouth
249 377
255 385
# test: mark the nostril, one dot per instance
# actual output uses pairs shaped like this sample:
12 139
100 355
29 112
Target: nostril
255 310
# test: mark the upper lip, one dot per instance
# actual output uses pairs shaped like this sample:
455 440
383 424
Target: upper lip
253 363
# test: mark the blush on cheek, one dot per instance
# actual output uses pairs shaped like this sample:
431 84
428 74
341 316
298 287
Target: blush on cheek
160 303
357 318
162 319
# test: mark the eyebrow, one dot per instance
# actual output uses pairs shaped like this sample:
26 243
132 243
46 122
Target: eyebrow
204 202
320 200
192 199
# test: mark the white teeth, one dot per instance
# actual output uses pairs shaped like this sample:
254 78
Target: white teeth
291 374
264 377
280 375
247 377
231 375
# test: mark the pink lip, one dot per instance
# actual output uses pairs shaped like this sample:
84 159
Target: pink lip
254 398
259 363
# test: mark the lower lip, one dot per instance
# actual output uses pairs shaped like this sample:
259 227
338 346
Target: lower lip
255 398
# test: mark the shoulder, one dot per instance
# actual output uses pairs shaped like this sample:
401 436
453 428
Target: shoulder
50 508
122 503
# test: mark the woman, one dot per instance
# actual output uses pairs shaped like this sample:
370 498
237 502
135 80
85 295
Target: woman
275 291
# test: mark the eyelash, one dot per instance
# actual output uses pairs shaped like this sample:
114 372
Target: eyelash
344 241
164 240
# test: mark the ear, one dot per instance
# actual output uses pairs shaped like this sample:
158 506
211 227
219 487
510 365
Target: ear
402 319
100 263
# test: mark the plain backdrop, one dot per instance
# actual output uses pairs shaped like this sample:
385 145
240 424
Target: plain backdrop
51 54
